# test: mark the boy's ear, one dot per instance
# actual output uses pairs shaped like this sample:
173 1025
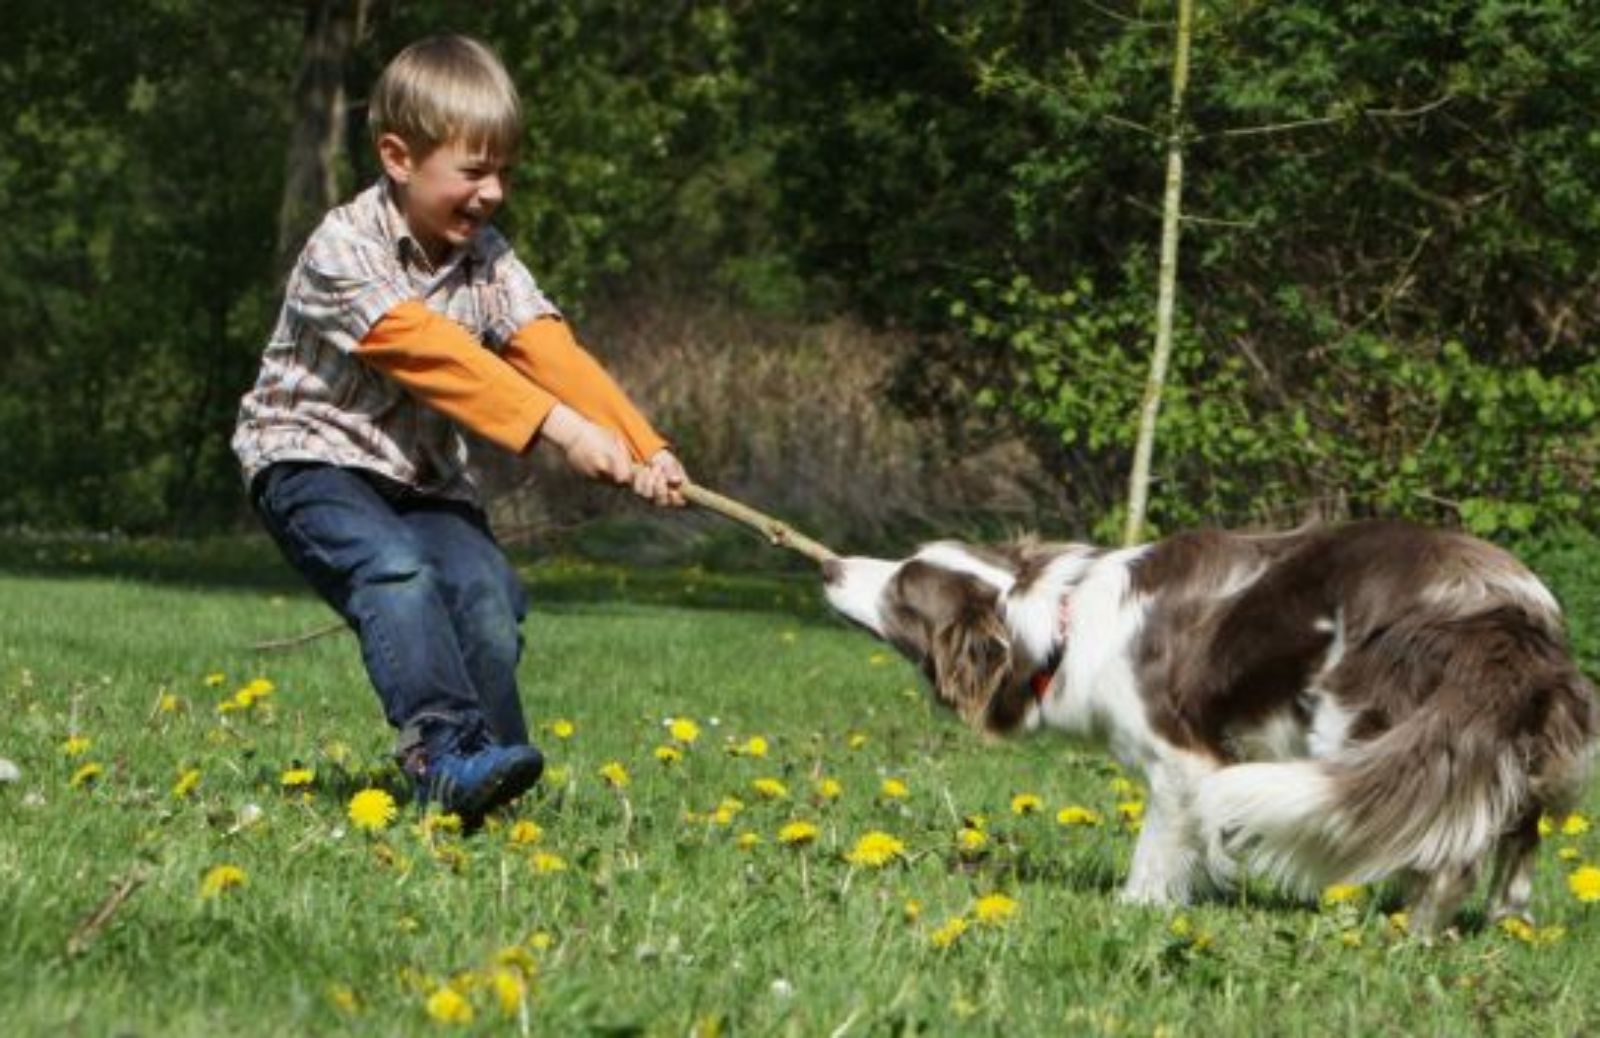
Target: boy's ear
396 157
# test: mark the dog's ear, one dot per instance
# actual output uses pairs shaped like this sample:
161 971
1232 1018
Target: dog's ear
971 662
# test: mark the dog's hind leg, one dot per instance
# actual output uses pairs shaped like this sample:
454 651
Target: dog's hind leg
1439 896
1515 856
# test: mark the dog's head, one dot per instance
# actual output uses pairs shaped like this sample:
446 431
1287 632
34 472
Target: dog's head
943 609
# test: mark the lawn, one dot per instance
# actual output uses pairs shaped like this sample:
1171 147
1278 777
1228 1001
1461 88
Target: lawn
179 856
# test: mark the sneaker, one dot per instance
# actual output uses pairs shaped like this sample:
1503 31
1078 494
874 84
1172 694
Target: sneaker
471 784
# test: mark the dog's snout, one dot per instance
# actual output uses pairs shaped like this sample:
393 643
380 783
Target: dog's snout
832 570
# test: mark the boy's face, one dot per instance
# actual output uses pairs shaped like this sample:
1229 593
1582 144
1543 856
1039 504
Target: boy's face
447 195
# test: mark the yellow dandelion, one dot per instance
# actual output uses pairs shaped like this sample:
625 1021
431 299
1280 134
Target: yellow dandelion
85 775
168 703
755 746
390 858
1546 826
972 840
1026 804
875 850
1124 788
1399 922
949 933
439 822
215 680
1181 928
1585 884
344 999
372 810
856 740
562 728
260 688
829 789
1569 854
894 789
1131 811
1350 938
75 746
544 863
995 909
221 878
294 778
797 834
770 789
1574 825
451 857
668 754
510 992
747 841
683 730
1074 814
912 910
188 779
1343 894
449 1006
524 832
540 940
615 775
516 957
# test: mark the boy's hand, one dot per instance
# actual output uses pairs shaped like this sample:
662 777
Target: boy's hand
592 450
661 480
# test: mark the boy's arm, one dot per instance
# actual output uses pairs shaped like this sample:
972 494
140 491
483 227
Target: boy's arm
545 352
442 364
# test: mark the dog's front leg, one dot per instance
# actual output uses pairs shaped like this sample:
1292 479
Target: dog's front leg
1167 854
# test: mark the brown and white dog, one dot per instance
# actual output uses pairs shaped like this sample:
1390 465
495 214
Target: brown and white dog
1334 704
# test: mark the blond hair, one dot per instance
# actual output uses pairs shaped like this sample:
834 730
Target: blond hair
447 89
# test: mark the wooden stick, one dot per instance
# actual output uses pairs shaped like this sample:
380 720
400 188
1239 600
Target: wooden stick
775 531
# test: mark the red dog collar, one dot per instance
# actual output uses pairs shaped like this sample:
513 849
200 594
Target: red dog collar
1041 679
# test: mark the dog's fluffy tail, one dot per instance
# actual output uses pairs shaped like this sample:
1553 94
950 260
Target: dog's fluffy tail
1436 791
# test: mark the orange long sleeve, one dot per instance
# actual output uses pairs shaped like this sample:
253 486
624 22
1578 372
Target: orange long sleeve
442 364
545 352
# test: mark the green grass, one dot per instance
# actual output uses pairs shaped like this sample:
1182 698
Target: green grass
660 923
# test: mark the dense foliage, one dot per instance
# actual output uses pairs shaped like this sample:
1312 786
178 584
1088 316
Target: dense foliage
1389 277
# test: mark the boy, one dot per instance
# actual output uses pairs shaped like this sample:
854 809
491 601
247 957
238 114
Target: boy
406 319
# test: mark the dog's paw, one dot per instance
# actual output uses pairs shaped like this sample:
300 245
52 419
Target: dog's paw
1150 894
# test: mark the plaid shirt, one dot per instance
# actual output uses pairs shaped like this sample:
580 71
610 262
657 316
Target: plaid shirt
315 400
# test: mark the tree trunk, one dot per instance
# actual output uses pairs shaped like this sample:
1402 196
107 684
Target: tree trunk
311 182
1139 480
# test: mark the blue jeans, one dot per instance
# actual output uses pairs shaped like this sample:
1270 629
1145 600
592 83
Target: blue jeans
423 583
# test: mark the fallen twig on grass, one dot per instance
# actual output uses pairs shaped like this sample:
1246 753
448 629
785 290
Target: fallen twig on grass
91 925
278 644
